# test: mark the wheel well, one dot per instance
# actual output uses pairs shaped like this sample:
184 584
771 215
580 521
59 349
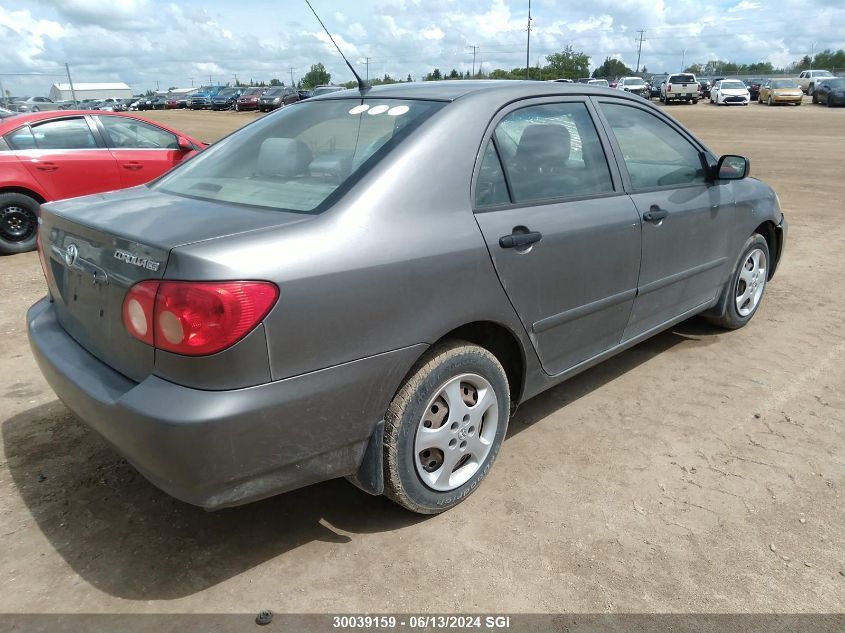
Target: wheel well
26 192
767 230
502 343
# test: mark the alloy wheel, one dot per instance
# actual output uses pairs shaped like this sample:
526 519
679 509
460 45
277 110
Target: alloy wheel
456 432
751 282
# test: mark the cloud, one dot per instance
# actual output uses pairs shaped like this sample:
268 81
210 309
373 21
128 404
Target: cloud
170 42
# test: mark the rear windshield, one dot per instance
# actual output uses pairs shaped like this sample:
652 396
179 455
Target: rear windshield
783 83
682 79
296 159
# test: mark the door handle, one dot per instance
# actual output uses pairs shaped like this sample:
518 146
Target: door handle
655 214
133 166
515 240
46 167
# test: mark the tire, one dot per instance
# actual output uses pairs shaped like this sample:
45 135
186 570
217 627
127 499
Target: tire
829 102
769 102
695 102
36 109
463 436
18 223
811 89
738 311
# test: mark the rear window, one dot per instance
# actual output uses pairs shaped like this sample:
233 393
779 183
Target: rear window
682 79
296 159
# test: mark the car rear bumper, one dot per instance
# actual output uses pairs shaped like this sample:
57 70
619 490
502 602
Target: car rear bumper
222 448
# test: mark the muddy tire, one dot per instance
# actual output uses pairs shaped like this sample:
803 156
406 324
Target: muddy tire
444 427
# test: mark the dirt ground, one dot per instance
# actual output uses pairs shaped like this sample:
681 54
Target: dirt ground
701 471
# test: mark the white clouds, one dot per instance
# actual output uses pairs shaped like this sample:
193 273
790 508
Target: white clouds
173 41
745 5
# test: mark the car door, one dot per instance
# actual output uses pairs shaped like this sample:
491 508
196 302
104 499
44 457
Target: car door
142 151
687 219
66 157
563 236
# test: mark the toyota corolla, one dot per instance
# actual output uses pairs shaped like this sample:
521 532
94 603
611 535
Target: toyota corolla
367 284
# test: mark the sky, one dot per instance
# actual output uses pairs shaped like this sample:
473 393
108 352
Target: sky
161 43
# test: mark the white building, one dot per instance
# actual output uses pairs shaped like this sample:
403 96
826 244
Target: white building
62 92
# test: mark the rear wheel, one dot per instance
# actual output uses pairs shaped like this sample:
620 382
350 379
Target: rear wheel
444 427
18 223
769 102
747 284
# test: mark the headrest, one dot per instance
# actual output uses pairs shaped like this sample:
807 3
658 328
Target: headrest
285 157
543 145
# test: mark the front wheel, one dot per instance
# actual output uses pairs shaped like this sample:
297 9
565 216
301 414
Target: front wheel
444 427
18 223
747 284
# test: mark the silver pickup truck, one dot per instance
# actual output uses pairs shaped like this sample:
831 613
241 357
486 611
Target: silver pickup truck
679 87
808 79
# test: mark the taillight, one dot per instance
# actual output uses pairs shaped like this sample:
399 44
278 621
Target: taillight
668 87
196 318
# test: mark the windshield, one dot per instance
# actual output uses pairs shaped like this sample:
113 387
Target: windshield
227 92
206 89
635 81
822 73
732 85
325 89
296 159
253 91
783 83
275 92
835 84
600 82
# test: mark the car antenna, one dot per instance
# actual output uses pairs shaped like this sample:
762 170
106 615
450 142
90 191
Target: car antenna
363 86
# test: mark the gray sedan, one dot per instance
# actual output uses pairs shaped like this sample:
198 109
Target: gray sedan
38 104
366 285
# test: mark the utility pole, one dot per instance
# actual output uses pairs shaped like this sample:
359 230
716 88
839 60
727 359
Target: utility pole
292 83
192 81
2 93
683 59
528 44
367 63
474 50
640 49
70 81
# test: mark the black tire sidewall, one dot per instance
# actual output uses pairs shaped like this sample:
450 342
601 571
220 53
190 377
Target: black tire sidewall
426 499
12 248
734 318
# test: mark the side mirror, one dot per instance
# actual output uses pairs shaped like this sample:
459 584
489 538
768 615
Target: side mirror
732 167
184 144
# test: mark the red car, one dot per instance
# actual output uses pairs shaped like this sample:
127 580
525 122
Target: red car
249 99
53 155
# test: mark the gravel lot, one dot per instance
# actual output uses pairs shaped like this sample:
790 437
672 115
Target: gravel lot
701 471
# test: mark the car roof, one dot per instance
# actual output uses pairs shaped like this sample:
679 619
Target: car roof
452 90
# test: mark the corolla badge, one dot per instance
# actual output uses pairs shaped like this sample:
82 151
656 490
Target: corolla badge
71 254
135 260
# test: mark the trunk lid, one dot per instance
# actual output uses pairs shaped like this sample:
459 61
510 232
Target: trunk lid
96 247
